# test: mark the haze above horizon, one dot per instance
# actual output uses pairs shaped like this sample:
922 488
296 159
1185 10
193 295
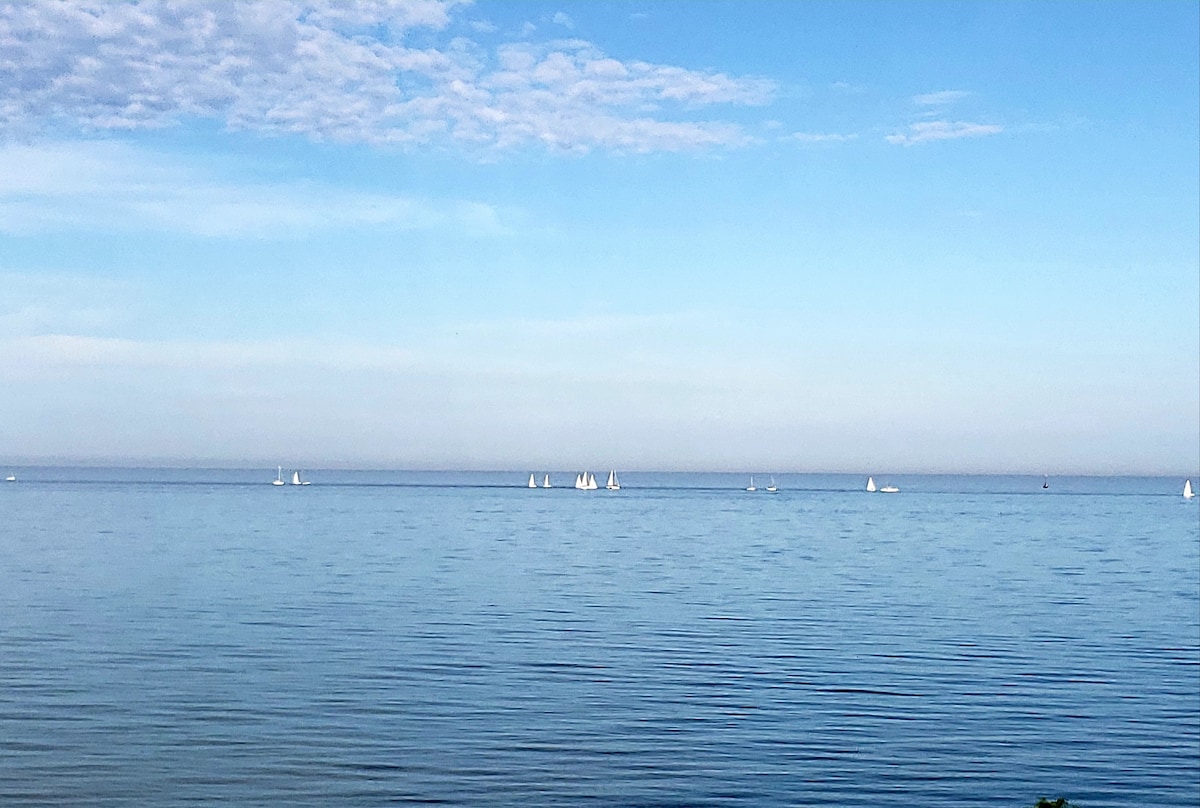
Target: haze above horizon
922 237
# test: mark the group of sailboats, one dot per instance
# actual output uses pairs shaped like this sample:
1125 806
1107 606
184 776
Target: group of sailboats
887 489
584 481
295 478
771 488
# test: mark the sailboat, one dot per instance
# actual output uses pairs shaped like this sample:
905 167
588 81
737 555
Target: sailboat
278 476
889 489
772 487
751 486
612 484
546 481
580 482
591 482
1045 481
532 482
1187 489
12 478
871 485
297 481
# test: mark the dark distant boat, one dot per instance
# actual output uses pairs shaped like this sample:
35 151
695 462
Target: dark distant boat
1045 481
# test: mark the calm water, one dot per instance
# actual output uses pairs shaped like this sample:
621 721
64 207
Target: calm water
175 637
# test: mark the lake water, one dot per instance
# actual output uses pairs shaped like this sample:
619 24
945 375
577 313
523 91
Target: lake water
172 637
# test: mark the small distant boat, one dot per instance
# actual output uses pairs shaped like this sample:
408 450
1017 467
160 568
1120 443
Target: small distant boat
871 484
612 484
751 486
12 478
297 481
586 481
532 482
1187 489
580 481
278 476
546 481
591 482
772 487
1045 481
889 489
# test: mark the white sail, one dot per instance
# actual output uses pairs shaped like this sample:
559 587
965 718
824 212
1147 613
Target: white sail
295 478
591 482
580 483
1187 489
532 482
612 484
772 487
751 486
871 484
278 476
546 482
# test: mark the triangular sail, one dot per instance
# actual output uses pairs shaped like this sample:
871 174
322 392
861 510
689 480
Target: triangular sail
870 483
295 478
546 482
1187 489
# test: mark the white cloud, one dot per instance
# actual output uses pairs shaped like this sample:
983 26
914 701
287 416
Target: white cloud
927 131
821 138
108 186
50 351
560 18
341 72
940 98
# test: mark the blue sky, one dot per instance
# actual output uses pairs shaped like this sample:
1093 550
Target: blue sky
745 236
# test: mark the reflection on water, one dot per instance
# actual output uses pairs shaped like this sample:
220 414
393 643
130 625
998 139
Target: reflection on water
168 639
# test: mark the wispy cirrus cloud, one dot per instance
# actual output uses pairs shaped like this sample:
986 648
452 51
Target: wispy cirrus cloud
821 138
930 131
113 187
940 98
344 72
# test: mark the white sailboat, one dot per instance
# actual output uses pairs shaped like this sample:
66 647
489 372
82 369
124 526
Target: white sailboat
751 486
12 478
591 482
278 476
772 487
889 489
581 481
546 481
1187 489
532 482
871 485
297 481
612 484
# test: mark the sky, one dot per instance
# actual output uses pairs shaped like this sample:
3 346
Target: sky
752 236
